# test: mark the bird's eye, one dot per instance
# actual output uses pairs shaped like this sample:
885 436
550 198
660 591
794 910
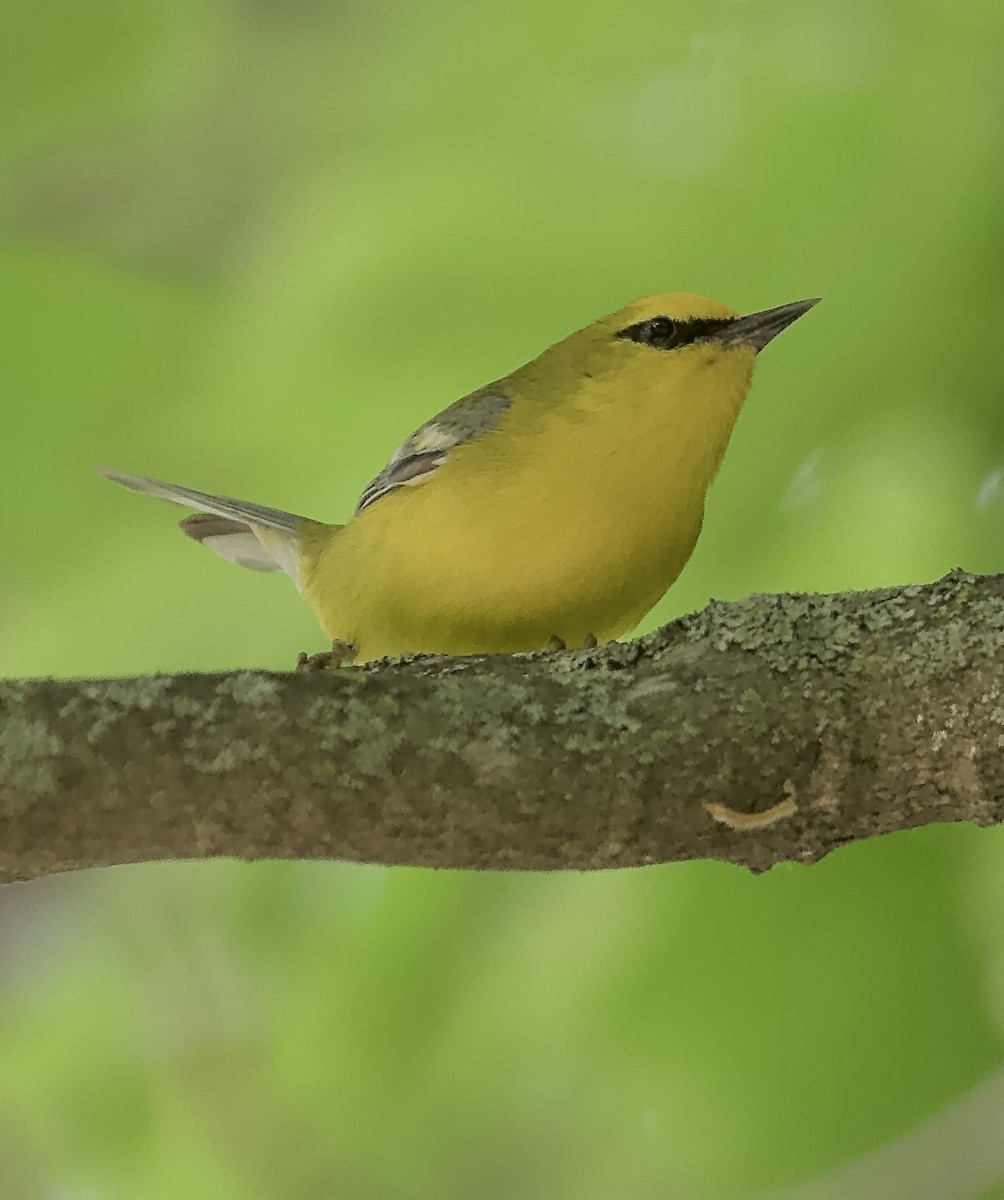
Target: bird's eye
660 332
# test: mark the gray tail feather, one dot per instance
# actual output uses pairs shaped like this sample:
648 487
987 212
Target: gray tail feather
237 543
219 506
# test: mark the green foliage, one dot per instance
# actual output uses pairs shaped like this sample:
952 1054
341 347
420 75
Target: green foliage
249 247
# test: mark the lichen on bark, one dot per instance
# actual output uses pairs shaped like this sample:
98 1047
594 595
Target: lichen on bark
857 713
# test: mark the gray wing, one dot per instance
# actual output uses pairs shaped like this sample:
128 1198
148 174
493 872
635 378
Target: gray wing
417 459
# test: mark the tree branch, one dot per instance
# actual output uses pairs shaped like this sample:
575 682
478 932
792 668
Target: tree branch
857 713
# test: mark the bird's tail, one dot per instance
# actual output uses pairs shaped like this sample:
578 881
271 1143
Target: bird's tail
250 535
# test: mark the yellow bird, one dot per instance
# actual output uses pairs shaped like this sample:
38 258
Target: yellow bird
553 507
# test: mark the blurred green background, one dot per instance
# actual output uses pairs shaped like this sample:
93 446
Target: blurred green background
248 245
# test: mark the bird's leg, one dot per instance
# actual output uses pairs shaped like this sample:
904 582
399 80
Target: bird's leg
554 642
341 654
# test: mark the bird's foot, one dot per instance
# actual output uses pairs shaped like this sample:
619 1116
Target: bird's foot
341 654
554 642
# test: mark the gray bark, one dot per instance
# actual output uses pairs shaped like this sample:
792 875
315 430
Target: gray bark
842 716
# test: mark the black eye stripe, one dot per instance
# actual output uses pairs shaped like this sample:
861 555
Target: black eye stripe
663 333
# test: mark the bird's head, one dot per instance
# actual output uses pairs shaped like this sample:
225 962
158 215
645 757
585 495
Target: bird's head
672 337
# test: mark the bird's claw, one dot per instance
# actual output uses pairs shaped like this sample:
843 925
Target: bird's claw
554 642
341 654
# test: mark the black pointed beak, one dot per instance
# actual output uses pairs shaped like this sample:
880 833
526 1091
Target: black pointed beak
759 328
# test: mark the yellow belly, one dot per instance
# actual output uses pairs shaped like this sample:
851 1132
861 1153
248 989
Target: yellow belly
432 570
492 599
